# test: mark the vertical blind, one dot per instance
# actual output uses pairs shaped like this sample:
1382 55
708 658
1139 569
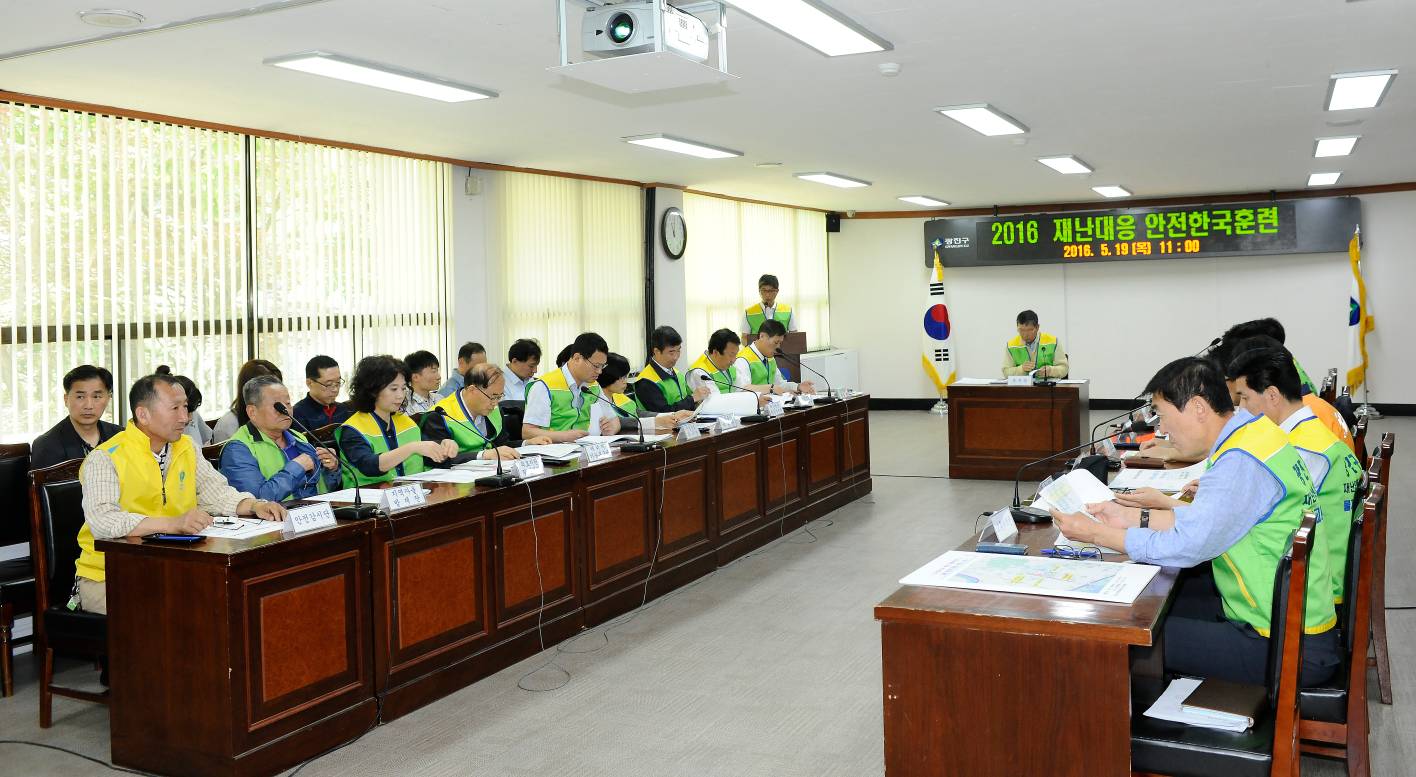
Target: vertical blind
129 244
731 244
122 244
572 260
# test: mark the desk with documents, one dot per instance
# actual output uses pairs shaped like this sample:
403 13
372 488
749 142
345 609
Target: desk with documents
983 683
248 656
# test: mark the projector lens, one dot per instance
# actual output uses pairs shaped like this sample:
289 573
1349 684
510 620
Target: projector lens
621 28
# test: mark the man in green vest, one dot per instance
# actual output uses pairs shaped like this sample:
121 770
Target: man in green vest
269 459
713 369
1034 351
1266 382
472 417
558 403
769 309
1250 500
150 478
660 388
756 365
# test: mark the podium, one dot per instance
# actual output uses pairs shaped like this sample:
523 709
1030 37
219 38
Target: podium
996 428
790 354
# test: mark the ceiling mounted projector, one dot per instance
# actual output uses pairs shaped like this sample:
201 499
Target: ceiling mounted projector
629 28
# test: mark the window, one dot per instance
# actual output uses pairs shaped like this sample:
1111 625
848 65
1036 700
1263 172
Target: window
572 261
731 244
128 244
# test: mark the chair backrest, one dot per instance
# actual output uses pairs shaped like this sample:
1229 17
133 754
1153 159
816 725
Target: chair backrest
1286 644
56 515
14 494
513 411
212 453
1328 391
1359 441
1357 603
1388 450
1283 594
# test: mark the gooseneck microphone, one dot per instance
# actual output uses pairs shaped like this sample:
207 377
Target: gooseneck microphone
357 511
642 445
830 397
1031 514
500 479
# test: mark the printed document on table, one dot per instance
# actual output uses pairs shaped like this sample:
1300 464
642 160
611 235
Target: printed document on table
243 528
558 450
1102 581
366 495
609 438
1159 479
446 475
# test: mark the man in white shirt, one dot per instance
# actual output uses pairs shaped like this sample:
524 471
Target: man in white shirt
768 309
522 359
559 403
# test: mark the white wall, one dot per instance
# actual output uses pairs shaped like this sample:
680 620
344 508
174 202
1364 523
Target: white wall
1120 321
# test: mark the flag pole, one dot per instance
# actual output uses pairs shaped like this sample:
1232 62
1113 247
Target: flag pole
1367 409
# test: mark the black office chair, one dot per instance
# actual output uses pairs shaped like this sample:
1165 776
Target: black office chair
16 575
1334 716
1345 407
56 514
1270 747
212 453
324 436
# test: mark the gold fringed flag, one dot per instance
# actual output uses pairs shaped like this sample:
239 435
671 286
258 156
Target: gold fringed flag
938 356
1359 322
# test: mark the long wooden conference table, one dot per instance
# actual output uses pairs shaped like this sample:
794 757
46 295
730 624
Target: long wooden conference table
246 657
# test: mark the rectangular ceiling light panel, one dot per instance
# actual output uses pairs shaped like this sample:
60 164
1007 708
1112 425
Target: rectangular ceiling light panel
322 63
816 24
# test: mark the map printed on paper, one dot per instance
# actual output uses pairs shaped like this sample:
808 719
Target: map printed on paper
1103 581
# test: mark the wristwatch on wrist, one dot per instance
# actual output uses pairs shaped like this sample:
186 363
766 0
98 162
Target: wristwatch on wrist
1145 517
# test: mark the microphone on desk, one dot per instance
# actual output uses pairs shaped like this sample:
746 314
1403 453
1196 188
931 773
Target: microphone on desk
829 398
358 510
1031 514
642 445
500 479
1129 415
747 419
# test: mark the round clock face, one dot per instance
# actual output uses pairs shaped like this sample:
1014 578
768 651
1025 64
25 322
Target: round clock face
674 231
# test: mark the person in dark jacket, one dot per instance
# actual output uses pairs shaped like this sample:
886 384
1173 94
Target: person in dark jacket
87 391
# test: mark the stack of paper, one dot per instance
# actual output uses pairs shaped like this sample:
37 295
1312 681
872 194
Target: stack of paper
560 450
456 475
1170 706
233 528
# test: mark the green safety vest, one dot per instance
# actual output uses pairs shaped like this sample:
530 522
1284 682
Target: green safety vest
674 387
365 424
761 371
458 415
564 416
756 316
1046 350
1244 573
721 379
1337 493
271 457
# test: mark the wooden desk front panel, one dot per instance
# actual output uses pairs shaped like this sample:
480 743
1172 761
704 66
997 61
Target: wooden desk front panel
534 561
823 445
739 481
619 529
689 507
994 430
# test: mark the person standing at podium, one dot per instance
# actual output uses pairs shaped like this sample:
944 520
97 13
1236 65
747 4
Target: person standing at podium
1034 350
769 309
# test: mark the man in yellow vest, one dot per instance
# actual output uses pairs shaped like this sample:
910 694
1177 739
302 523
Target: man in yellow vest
1250 500
150 478
1034 350
769 309
559 403
756 365
1266 382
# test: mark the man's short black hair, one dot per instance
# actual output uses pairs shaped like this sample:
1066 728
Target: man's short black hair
1230 349
1259 326
769 280
616 367
588 344
88 372
664 338
772 328
718 341
468 350
316 364
371 376
1027 317
144 390
523 350
1264 367
1192 376
420 360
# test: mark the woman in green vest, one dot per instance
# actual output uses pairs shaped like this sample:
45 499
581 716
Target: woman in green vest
379 441
472 419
